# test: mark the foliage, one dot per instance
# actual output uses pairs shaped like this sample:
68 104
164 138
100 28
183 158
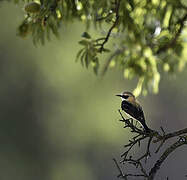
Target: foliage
147 36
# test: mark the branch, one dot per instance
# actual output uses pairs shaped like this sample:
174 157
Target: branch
166 153
130 145
137 139
124 176
137 164
170 135
117 3
120 170
141 135
147 153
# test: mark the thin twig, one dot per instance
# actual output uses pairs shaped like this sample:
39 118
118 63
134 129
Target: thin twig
119 169
137 164
161 144
124 176
137 139
117 3
130 145
147 150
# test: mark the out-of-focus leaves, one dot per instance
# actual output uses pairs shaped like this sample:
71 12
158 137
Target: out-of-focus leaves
83 42
88 54
86 35
95 65
24 29
138 89
87 59
78 54
32 7
178 49
105 50
147 36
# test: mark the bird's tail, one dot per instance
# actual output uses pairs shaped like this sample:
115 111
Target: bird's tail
147 129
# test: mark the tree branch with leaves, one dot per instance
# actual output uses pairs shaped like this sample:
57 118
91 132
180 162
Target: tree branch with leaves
148 37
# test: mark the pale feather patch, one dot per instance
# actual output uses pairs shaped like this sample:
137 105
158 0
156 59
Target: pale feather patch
129 116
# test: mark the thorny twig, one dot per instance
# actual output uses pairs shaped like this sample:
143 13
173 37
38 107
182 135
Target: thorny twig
141 135
124 176
119 168
137 164
137 139
147 153
130 145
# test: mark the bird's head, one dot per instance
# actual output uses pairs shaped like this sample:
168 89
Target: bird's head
127 96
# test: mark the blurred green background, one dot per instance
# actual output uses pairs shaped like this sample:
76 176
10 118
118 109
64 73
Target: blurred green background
59 121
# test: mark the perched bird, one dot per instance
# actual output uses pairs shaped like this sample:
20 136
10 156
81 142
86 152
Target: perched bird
133 109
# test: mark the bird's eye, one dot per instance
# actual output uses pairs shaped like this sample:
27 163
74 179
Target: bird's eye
125 96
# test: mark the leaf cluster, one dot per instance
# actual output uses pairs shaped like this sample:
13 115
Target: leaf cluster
148 36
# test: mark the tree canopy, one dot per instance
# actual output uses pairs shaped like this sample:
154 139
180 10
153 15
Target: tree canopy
148 36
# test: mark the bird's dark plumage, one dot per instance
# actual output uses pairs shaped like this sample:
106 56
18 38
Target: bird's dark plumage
136 112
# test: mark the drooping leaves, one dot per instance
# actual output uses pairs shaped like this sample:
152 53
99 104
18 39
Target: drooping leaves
147 35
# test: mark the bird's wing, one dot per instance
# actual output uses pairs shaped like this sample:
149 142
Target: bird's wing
134 111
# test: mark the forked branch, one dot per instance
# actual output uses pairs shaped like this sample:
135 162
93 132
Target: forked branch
152 137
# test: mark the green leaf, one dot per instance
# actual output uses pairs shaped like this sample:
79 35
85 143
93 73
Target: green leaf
32 7
96 65
78 54
82 57
84 42
86 35
178 49
87 59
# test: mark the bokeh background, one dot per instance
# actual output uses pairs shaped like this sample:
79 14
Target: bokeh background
59 121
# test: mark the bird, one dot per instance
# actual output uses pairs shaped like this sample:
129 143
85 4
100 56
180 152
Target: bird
133 109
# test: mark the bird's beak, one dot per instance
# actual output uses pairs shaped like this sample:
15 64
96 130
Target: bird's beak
119 95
